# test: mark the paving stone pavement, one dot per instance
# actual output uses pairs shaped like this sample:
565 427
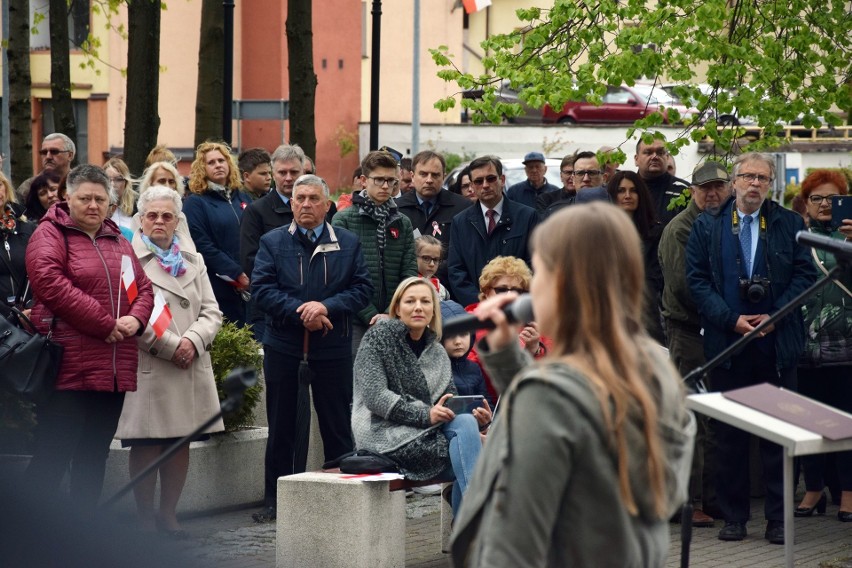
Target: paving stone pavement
231 540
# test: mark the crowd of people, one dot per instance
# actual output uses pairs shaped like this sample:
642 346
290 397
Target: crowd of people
357 290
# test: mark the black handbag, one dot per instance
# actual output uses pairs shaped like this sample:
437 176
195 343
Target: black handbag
29 361
363 461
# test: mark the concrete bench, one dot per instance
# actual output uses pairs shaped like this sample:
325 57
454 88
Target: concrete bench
326 520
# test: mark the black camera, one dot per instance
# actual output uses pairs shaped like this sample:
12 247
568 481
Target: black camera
754 289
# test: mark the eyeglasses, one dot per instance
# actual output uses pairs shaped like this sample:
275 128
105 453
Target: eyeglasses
583 173
818 199
429 259
117 180
479 182
504 289
567 172
382 181
749 178
52 151
152 216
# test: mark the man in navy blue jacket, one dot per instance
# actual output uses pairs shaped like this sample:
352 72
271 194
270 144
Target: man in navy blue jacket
496 226
310 280
742 265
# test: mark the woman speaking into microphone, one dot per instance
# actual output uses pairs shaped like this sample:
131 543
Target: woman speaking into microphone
590 453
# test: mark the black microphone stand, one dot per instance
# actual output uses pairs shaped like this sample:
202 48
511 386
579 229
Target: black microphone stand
235 385
694 380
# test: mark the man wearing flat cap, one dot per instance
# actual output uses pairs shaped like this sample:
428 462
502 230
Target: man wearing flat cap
710 189
528 190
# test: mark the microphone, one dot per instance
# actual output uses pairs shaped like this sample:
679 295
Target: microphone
842 250
519 311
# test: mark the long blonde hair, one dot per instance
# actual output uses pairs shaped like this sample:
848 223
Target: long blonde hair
596 257
198 175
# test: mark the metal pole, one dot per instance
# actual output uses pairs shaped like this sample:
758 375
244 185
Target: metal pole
374 74
415 83
5 132
228 87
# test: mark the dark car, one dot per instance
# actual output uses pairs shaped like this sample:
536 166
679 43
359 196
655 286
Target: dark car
505 93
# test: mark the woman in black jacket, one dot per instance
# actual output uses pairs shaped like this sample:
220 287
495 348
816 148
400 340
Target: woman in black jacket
44 192
15 232
628 191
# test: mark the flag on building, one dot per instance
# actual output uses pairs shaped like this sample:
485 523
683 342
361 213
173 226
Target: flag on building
161 317
471 6
128 278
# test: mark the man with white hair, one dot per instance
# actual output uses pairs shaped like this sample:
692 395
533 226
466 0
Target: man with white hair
742 265
57 153
309 280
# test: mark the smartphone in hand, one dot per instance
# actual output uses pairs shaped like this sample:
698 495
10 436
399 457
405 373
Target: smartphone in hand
841 208
464 404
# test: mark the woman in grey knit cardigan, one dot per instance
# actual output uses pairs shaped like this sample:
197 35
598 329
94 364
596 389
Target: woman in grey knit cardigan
402 379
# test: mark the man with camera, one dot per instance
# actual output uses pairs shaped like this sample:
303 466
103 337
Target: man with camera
742 265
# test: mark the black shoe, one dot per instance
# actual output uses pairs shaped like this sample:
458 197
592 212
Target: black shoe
808 511
265 515
774 532
844 516
733 531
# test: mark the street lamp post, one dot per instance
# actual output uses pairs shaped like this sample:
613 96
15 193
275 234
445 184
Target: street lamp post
374 74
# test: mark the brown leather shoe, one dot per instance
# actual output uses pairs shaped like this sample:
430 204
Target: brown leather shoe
701 519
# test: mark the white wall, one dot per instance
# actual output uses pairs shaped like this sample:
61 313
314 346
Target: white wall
555 141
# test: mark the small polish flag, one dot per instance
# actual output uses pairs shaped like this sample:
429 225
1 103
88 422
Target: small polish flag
471 6
161 317
128 278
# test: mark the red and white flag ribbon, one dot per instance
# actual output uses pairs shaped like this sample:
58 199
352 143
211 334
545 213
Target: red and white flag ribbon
128 278
161 317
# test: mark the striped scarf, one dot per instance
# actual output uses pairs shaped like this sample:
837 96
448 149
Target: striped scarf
380 214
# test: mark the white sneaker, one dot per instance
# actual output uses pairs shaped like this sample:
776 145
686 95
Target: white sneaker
428 490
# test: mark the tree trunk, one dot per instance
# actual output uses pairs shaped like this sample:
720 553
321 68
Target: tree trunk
211 73
20 103
141 119
60 70
303 80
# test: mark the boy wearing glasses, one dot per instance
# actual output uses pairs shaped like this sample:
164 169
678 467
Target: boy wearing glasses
386 237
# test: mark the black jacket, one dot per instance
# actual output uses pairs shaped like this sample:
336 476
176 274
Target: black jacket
437 224
261 216
472 247
663 189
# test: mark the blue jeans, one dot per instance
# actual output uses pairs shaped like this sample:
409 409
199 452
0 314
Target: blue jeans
463 434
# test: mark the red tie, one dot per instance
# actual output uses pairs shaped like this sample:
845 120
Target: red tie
491 222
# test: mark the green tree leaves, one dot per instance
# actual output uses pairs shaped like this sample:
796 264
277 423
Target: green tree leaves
774 62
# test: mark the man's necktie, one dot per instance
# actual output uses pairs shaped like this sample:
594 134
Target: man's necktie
745 243
491 222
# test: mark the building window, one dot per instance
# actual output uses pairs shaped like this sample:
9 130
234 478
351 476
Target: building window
78 23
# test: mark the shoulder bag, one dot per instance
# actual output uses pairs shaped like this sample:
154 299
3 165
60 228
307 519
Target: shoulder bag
29 361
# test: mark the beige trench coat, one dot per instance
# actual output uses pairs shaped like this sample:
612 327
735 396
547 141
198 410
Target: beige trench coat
171 402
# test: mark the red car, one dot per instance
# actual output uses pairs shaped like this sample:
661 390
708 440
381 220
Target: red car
620 105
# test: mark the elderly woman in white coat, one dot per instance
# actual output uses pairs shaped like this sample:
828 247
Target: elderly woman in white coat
176 389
